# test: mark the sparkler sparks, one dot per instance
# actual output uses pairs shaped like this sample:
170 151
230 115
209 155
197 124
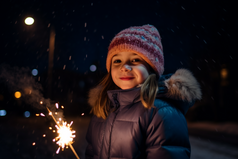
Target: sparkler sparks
65 137
57 105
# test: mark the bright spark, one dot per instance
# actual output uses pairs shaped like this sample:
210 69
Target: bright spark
42 114
41 102
57 105
65 136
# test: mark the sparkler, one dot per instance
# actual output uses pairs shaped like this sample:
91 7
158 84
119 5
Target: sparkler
65 137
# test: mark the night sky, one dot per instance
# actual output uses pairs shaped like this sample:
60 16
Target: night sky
190 29
200 35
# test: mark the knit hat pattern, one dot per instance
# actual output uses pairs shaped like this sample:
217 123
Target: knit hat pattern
143 40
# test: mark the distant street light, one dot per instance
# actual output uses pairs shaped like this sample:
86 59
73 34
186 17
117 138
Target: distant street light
29 21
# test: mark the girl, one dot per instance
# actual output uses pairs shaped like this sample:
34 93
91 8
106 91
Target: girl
138 112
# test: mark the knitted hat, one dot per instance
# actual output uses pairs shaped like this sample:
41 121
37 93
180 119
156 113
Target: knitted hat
143 40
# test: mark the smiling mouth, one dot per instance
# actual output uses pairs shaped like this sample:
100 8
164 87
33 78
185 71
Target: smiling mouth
127 78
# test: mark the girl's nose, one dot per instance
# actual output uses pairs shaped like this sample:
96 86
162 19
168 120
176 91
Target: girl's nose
126 68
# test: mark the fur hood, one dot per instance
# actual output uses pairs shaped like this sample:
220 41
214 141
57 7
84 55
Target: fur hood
181 86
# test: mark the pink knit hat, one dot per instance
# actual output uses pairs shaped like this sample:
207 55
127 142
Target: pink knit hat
143 40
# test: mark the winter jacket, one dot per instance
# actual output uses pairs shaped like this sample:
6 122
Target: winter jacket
134 132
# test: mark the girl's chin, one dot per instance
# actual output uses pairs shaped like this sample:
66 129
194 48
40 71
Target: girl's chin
128 87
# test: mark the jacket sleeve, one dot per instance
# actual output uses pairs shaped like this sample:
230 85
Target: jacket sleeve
167 135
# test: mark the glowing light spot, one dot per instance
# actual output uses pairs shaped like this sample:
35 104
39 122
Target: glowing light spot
17 94
34 72
42 114
57 105
57 152
56 113
44 135
29 21
3 113
62 106
93 68
224 73
37 114
82 114
27 114
50 128
33 143
53 130
41 102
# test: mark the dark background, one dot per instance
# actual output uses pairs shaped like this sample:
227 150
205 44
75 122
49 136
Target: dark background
197 35
200 35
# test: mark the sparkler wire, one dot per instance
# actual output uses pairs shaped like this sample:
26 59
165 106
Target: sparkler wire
70 145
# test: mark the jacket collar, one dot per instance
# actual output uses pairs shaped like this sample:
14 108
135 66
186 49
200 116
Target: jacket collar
121 98
180 87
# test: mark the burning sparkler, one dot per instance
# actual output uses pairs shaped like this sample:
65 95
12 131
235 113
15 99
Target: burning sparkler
65 137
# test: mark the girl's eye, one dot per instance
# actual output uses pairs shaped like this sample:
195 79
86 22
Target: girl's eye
116 61
136 60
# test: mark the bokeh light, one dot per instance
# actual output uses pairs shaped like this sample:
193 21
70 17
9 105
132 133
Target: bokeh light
3 113
93 68
34 72
27 114
224 73
29 21
17 94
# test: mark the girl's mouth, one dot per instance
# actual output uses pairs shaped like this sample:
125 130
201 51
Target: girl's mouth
126 78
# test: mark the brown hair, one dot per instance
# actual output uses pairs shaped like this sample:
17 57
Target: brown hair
149 90
101 107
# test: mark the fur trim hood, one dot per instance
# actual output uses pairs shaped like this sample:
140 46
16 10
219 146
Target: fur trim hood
180 86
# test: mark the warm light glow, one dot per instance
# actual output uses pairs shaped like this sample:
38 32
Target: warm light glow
17 94
65 135
62 106
224 73
29 21
50 128
43 135
41 102
33 143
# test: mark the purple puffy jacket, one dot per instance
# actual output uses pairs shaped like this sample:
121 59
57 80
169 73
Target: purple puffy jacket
134 132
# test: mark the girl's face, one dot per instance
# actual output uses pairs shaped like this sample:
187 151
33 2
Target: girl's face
128 70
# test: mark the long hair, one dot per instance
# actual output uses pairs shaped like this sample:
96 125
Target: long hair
101 107
148 93
149 90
